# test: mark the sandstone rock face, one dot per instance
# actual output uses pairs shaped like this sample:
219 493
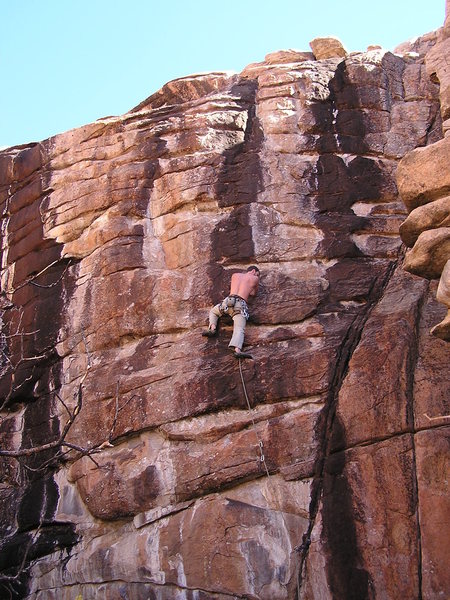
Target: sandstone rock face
328 480
423 178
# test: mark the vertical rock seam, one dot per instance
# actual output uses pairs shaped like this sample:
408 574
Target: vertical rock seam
330 432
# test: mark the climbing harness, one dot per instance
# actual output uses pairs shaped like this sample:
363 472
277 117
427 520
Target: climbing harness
262 458
234 304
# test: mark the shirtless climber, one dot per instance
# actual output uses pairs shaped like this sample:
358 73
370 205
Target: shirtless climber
243 285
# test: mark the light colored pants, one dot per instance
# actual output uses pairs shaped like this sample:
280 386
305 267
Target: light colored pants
239 322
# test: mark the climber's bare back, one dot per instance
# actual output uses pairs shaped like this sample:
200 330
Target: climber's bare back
244 284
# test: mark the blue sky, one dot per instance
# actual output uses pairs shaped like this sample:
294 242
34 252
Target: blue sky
65 63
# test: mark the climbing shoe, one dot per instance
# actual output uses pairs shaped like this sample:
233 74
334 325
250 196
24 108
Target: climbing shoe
209 333
242 355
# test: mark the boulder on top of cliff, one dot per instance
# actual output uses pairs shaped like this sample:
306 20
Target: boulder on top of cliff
327 47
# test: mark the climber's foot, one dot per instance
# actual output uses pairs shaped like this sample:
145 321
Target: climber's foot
241 354
209 332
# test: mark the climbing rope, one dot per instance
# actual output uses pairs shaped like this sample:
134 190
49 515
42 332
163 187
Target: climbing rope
277 502
262 458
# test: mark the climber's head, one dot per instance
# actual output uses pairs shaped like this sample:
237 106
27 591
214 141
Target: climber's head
255 269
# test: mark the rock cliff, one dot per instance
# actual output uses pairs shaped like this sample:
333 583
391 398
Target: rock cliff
144 460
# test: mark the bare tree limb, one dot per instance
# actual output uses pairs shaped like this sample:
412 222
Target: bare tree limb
61 439
436 418
32 279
